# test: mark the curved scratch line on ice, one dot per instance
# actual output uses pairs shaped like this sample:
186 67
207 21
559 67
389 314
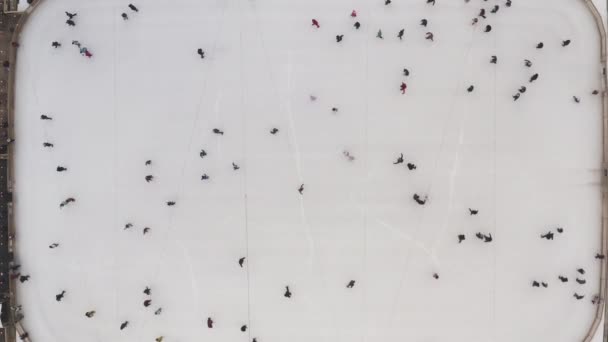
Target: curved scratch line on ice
193 282
416 243
446 217
297 158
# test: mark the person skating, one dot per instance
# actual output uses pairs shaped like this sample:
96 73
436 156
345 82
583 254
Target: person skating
379 34
474 21
128 225
600 256
55 44
580 270
204 176
560 230
508 3
170 203
424 22
535 284
235 166
47 144
274 131
419 200
516 96
339 38
494 60
495 9
241 261
315 23
566 42
470 88
218 131
411 166
400 34
403 87
301 189
124 325
334 109
353 14
578 297
595 92
488 28
548 236
387 2
357 25
431 2
133 8
146 230
53 245
287 292
527 63
581 281
350 284
90 314
482 13
147 291
473 212
244 327
533 78
158 311
209 323
77 43
124 16
70 22
522 89
399 159
149 178
348 156
159 339
203 153
540 45
545 285
24 278
148 162
429 36
406 72
201 53
487 238
562 279
45 117
61 169
70 15
59 297
576 99
147 302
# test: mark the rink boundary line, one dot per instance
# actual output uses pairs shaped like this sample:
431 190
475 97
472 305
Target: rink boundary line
14 327
601 307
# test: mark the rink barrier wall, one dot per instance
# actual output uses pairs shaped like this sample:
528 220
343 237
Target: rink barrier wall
16 326
601 307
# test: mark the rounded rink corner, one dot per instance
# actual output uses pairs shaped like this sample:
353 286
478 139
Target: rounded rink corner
15 329
595 329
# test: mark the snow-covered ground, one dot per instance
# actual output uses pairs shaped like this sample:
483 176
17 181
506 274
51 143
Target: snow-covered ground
528 166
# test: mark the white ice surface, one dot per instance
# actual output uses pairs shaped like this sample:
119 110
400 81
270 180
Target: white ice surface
22 5
528 166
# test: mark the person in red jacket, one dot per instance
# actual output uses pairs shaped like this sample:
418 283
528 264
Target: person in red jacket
315 23
403 87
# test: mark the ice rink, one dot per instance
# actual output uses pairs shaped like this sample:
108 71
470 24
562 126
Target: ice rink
528 166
